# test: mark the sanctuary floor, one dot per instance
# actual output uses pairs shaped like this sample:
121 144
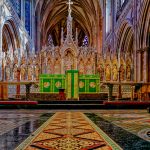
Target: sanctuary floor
73 130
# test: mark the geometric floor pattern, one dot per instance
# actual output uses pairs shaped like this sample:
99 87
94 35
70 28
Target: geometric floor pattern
69 131
135 121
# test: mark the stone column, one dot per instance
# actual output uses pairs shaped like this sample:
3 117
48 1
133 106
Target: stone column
38 38
22 44
62 66
138 66
146 64
104 23
136 43
113 22
33 27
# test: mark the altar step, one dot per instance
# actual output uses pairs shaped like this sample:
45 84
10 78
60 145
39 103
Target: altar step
70 106
89 104
77 105
86 102
55 97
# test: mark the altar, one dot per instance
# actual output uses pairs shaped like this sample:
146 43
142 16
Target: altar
73 84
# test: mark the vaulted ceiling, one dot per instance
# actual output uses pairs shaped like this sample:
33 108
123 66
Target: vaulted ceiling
52 16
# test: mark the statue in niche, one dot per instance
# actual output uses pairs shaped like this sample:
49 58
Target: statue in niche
115 73
101 72
122 72
30 70
36 68
23 69
37 71
68 61
108 72
15 68
15 72
89 69
57 67
81 67
8 68
128 74
44 67
43 62
49 66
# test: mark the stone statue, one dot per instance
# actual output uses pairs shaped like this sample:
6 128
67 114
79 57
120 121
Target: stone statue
8 69
81 67
89 69
37 72
23 69
30 70
15 68
108 73
122 72
49 66
128 73
15 72
68 61
23 72
101 72
115 73
57 67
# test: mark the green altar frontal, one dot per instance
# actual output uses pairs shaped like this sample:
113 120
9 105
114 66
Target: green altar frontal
73 83
51 83
89 84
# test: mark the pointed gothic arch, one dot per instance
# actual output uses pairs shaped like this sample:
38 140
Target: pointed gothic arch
144 25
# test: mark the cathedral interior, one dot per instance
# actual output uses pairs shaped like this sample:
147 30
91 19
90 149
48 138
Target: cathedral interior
74 74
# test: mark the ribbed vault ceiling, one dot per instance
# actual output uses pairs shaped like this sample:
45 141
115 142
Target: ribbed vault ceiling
53 15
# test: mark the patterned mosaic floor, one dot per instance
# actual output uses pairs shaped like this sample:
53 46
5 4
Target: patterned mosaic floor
137 122
68 131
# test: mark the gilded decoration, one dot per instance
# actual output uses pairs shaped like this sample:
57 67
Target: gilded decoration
92 84
58 84
81 84
108 72
46 84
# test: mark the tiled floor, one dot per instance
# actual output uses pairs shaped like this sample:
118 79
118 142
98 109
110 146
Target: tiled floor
130 129
17 125
136 122
69 131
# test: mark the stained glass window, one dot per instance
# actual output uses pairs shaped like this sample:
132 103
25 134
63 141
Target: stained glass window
50 40
108 16
85 41
27 15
